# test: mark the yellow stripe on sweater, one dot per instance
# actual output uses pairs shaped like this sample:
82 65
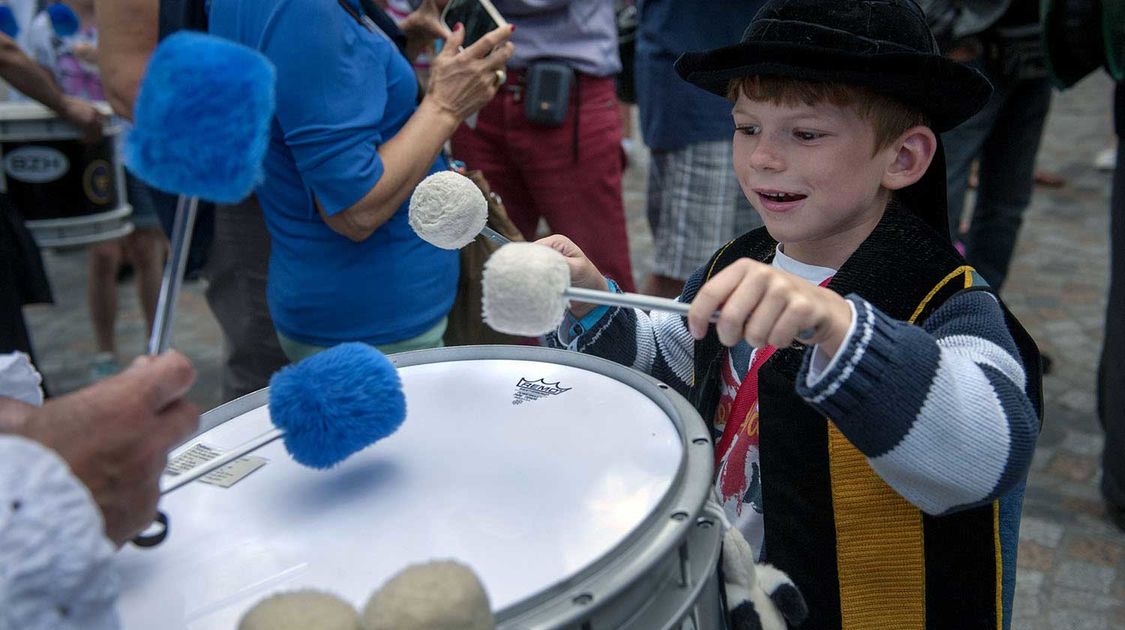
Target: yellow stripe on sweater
880 556
999 565
880 542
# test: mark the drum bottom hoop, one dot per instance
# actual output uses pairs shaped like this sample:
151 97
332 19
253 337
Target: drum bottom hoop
680 592
84 230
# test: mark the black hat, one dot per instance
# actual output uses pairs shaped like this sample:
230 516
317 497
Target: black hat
883 45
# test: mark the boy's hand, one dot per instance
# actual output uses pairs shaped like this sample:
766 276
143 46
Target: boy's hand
766 306
583 273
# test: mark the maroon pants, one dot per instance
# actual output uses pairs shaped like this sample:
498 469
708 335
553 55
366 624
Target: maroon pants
537 172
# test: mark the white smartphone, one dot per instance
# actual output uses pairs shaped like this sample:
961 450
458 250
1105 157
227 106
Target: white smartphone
478 16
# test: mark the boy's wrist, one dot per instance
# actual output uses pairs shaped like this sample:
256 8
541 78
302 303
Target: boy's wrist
840 322
582 309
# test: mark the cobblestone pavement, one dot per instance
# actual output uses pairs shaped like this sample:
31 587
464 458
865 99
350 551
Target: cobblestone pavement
1072 560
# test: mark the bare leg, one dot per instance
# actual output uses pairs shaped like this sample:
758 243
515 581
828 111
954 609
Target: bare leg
146 249
626 119
101 292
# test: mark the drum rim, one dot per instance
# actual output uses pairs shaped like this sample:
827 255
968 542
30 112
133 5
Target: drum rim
120 212
656 536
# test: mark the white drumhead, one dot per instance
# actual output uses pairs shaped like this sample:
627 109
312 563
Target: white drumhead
526 494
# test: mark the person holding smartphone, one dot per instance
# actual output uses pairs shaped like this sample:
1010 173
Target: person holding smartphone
349 142
550 144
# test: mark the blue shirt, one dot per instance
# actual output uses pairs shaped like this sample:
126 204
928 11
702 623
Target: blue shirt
673 112
343 89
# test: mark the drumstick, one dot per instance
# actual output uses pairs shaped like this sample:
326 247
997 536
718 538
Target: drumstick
182 227
526 288
326 407
448 210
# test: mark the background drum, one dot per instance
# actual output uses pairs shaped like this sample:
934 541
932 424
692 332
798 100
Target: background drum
576 489
68 193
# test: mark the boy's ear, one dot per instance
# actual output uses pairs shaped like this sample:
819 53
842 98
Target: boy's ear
914 151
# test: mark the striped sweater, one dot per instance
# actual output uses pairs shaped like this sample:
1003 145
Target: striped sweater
892 477
939 409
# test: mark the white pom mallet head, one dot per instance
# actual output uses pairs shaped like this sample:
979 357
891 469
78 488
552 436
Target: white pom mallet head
448 210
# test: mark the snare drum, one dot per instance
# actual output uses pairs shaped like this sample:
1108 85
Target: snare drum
69 193
578 490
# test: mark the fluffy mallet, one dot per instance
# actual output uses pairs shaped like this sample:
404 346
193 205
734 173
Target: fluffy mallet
527 285
448 210
202 118
326 407
8 24
201 130
201 127
301 610
64 21
439 595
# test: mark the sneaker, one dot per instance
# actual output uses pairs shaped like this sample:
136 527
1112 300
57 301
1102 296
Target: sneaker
103 366
1106 159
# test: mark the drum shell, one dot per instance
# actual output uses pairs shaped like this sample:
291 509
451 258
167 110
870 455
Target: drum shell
67 192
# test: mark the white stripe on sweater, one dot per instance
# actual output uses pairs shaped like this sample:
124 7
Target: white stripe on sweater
676 344
948 458
645 342
983 351
866 330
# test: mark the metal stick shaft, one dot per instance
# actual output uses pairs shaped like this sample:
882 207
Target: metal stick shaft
183 225
648 303
631 300
206 468
494 236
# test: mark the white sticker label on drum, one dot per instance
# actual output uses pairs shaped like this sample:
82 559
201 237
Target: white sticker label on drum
189 459
225 477
528 391
234 472
36 164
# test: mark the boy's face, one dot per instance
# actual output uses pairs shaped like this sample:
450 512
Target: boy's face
810 173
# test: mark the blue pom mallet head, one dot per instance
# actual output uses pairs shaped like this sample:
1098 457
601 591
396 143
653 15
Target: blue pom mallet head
336 402
202 118
326 408
8 24
64 20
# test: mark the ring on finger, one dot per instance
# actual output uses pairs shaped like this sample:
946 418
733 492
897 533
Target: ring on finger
501 77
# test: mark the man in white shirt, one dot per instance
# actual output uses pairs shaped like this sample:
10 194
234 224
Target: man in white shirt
79 476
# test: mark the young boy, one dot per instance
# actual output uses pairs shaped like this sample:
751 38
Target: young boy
875 408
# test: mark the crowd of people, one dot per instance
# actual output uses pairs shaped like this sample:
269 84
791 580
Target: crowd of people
873 402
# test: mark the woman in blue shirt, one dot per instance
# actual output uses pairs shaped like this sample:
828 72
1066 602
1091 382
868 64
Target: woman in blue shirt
349 142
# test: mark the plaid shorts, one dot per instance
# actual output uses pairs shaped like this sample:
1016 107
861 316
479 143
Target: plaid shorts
695 206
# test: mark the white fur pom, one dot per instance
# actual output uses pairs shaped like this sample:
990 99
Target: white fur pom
440 595
523 289
301 610
447 210
758 595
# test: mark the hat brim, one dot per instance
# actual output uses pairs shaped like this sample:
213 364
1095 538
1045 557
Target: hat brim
948 93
